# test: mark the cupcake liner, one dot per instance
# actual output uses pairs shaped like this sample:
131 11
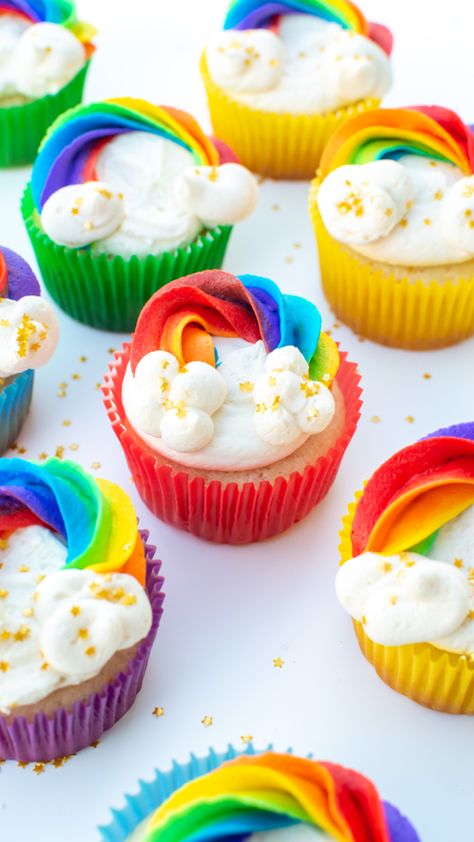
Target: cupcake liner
385 308
15 400
151 794
221 511
67 732
22 127
275 145
108 292
432 677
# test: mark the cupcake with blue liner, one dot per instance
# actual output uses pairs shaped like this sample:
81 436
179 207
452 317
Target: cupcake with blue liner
233 407
80 603
283 76
124 197
45 52
257 797
29 332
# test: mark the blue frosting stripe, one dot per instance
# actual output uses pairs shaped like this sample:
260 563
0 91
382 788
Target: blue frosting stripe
240 825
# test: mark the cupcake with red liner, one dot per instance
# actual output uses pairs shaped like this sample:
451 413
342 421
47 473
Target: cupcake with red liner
232 408
80 604
29 332
407 575
256 797
124 197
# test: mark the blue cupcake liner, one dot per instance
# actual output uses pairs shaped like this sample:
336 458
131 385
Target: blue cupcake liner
15 400
152 794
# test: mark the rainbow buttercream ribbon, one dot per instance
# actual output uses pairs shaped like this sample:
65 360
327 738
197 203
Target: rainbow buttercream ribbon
390 132
416 492
252 14
62 12
70 149
94 518
183 316
264 792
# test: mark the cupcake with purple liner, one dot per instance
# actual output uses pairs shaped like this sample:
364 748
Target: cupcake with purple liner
29 332
80 604
265 797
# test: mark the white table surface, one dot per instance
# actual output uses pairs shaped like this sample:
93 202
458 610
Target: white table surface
230 611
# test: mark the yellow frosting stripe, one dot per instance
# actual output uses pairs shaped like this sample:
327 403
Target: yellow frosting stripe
124 529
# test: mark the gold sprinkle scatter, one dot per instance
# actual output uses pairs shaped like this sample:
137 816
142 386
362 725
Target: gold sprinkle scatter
73 446
22 633
433 164
4 666
83 634
289 259
275 403
470 615
75 610
111 350
128 599
22 450
427 220
426 376
3 593
376 419
58 762
403 223
458 562
42 456
438 195
393 600
38 768
389 212
44 666
95 466
3 544
76 376
28 612
246 386
296 245
59 452
278 663
246 739
387 567
22 764
409 419
95 744
5 634
83 359
158 712
90 651
98 386
207 721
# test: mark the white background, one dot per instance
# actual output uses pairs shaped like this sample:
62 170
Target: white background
230 611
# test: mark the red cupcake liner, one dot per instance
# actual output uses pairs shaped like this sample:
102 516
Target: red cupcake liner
67 732
221 511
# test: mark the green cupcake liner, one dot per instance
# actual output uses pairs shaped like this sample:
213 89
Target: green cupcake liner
22 127
15 400
107 291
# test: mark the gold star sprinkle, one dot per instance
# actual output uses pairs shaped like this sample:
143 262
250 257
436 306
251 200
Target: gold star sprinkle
95 744
74 446
387 567
58 762
67 423
75 610
59 452
426 376
3 544
376 419
42 456
82 359
90 651
246 739
22 764
158 712
111 350
38 768
4 666
409 419
246 386
458 562
289 259
275 207
207 721
278 663
3 593
95 466
76 376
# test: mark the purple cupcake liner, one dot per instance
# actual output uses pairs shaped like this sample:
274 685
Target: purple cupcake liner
67 732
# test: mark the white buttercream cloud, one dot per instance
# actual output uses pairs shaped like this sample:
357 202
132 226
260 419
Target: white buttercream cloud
29 332
80 214
48 56
220 195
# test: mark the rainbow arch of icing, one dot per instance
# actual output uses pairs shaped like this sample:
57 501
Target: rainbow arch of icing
264 792
62 12
184 315
416 492
70 148
94 518
390 132
252 14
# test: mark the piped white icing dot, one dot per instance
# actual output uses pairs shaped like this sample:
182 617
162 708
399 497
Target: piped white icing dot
185 428
79 214
288 358
458 214
250 61
220 195
47 58
200 386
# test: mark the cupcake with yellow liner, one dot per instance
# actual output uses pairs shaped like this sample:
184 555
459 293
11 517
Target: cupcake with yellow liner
407 575
45 53
282 76
124 197
393 211
29 332
232 407
80 604
257 797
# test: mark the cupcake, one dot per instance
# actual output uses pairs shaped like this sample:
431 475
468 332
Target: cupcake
282 76
231 406
124 197
80 603
29 333
45 54
407 575
393 212
258 797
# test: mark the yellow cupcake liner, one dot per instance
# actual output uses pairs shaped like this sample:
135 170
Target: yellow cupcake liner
432 677
388 309
275 145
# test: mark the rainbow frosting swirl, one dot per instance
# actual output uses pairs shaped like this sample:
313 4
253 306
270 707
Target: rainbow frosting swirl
391 132
183 316
94 518
416 492
256 793
70 149
252 14
16 277
61 12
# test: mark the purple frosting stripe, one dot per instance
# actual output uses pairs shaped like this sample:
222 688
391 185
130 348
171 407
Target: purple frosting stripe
21 279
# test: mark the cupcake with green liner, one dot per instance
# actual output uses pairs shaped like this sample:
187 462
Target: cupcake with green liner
45 53
233 408
258 797
124 197
29 332
282 76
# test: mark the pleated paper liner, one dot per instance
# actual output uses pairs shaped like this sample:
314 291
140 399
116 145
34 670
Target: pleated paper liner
22 127
220 511
68 731
108 292
275 145
432 677
151 794
15 401
394 311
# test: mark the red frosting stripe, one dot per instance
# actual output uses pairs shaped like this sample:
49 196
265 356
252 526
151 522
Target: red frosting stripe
356 798
3 277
